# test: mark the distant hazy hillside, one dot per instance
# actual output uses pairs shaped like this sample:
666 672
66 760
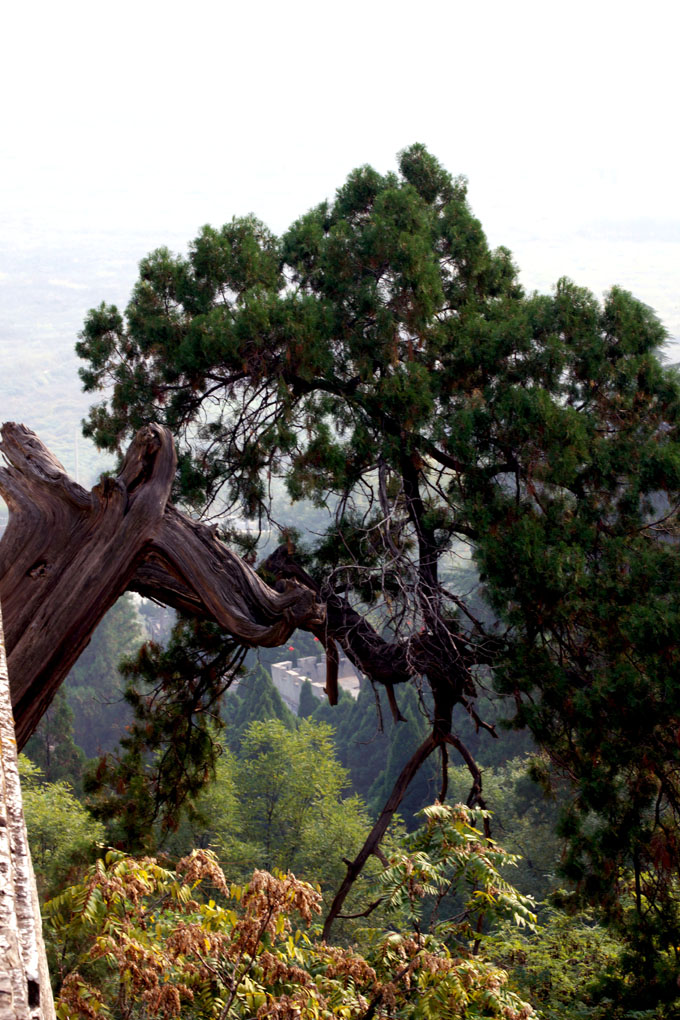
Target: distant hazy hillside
45 293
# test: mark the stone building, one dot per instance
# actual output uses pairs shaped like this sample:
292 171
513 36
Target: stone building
288 680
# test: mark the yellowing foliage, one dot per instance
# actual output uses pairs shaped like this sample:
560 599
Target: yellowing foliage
140 941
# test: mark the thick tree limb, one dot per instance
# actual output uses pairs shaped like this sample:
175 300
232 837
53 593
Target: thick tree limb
186 566
68 554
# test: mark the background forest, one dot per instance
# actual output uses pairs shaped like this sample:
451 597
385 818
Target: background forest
490 483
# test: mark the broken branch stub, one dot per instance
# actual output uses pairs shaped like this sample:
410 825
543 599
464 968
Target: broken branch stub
67 554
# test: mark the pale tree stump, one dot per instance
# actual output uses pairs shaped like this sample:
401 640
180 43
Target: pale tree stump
25 992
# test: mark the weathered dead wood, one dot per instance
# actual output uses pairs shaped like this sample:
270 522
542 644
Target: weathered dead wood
25 992
187 567
68 554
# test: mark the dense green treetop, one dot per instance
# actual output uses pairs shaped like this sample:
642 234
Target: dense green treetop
314 354
52 747
256 699
61 833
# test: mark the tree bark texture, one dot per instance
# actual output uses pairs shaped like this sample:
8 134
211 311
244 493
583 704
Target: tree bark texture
67 554
25 992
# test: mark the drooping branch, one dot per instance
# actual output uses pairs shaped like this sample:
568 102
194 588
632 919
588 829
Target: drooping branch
389 663
68 554
188 568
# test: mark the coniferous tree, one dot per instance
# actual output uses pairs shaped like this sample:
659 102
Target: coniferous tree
53 748
308 702
258 700
172 745
381 355
402 739
95 687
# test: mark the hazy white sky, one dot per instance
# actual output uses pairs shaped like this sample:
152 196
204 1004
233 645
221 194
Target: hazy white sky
160 117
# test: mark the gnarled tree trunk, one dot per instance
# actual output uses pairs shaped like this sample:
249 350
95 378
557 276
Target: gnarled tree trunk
68 554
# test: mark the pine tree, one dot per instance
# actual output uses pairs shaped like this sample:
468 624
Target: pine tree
381 357
95 687
258 701
402 739
53 748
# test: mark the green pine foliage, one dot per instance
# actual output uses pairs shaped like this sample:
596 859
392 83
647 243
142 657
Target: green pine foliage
374 749
171 747
89 713
402 740
254 699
